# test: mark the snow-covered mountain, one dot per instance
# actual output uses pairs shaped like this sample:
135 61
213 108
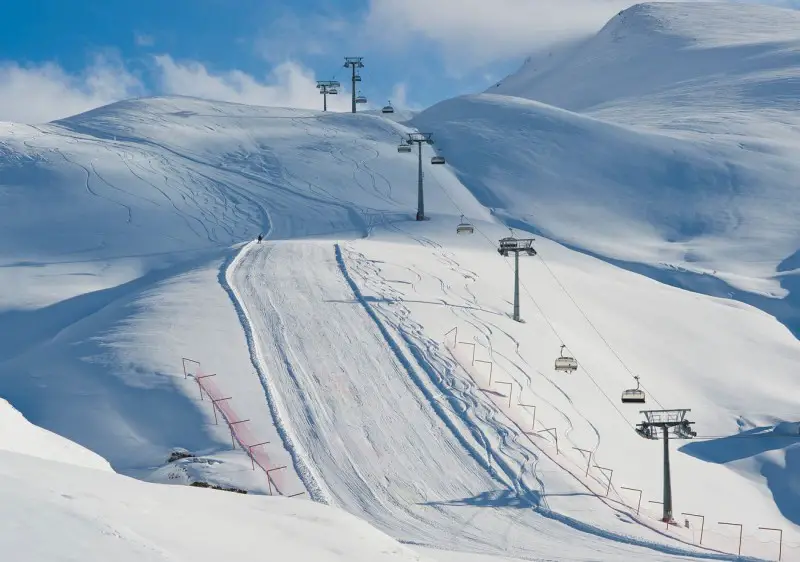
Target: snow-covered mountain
342 345
675 146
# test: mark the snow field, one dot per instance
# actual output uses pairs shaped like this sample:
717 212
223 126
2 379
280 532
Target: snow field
61 513
62 502
115 250
17 435
395 437
578 409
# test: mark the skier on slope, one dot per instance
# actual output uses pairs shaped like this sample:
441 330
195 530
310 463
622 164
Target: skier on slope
260 237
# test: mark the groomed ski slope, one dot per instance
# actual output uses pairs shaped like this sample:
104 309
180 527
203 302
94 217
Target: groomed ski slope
116 237
116 228
351 336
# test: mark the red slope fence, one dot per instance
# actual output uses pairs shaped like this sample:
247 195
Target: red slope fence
238 426
766 543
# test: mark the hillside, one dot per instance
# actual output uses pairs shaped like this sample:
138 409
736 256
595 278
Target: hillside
364 360
65 504
672 54
673 152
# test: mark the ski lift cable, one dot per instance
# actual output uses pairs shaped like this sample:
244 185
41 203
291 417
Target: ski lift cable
550 324
541 312
597 331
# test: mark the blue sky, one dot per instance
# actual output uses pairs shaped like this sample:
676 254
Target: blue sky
58 57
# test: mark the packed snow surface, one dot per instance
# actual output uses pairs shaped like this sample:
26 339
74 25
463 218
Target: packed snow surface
370 359
62 502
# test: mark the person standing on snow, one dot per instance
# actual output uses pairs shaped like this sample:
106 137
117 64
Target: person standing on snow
260 237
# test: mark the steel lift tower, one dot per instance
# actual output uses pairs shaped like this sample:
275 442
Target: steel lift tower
511 245
667 421
354 63
327 87
419 139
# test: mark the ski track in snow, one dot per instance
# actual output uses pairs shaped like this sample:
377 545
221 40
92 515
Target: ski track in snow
305 471
469 420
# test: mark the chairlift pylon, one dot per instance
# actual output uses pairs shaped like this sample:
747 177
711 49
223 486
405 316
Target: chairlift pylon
464 227
565 362
634 395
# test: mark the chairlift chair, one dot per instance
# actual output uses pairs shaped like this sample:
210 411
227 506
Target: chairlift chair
404 147
388 108
437 160
357 78
333 91
361 99
566 363
464 227
634 395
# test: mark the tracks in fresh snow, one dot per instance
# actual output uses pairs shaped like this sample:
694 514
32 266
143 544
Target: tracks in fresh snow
376 411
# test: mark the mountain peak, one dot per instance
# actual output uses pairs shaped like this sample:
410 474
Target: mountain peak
738 53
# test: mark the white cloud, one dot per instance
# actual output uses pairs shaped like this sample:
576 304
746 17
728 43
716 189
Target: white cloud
41 93
288 85
144 40
399 98
476 32
292 36
45 92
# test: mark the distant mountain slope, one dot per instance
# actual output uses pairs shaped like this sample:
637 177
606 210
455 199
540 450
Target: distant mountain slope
674 153
163 174
708 54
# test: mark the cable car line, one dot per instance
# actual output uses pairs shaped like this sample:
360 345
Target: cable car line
541 312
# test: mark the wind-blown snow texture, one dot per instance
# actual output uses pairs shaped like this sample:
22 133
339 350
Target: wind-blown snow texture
120 253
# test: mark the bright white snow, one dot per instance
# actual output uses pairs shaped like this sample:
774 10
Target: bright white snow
121 253
60 502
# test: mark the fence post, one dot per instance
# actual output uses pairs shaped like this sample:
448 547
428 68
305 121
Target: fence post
250 452
510 390
231 424
473 349
184 360
214 407
638 505
702 523
660 503
603 470
588 461
740 533
780 543
200 385
554 432
533 421
491 368
455 338
269 478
